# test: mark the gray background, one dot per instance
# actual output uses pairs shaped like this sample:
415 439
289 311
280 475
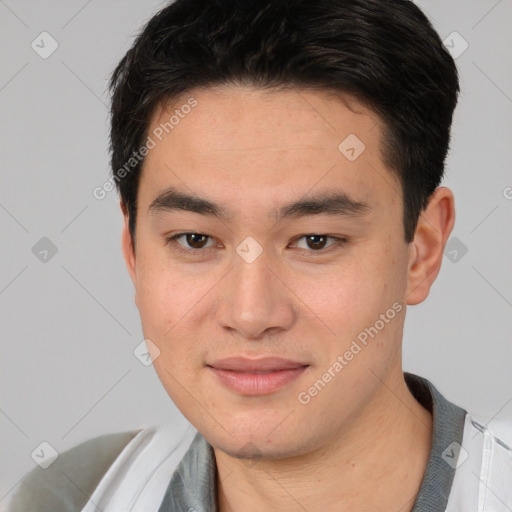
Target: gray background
69 324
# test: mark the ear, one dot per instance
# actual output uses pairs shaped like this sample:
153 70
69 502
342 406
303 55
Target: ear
426 252
127 246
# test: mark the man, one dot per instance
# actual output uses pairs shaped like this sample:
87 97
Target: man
279 165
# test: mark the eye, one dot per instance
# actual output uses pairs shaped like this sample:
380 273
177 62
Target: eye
196 242
317 243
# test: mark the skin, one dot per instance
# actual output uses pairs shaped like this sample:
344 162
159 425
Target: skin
363 442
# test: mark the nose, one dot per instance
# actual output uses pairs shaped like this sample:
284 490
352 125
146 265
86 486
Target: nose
255 300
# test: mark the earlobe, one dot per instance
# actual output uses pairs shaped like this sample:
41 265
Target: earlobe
434 227
127 246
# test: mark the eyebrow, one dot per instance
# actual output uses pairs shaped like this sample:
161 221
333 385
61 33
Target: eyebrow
331 203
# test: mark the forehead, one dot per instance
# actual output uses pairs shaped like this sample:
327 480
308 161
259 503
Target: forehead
233 115
278 143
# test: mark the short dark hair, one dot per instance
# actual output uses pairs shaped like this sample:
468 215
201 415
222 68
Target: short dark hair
385 53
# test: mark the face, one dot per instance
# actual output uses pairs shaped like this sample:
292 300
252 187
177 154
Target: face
275 295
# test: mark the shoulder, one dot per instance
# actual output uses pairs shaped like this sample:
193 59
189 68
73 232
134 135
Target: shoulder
491 431
67 484
483 466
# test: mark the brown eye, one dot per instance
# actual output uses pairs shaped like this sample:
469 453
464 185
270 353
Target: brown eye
195 240
316 241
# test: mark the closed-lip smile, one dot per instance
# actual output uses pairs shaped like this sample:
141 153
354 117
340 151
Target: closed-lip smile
256 376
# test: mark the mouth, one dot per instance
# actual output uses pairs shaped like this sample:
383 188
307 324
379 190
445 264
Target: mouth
254 377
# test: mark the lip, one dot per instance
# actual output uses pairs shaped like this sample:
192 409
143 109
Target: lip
256 376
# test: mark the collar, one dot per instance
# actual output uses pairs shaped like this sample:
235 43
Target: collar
193 484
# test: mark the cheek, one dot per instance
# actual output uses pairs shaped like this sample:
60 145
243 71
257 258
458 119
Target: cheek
173 306
162 291
165 301
161 296
355 293
154 289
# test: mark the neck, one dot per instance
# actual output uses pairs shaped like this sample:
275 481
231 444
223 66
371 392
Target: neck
380 458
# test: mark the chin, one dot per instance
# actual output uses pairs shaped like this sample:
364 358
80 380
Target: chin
257 438
261 448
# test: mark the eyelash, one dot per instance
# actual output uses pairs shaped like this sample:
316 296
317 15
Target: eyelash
338 242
